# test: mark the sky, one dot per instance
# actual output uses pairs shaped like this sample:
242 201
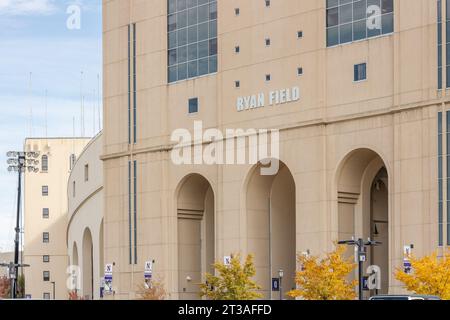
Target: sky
50 61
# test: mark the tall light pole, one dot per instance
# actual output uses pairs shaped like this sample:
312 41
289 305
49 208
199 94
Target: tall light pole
361 246
280 275
19 161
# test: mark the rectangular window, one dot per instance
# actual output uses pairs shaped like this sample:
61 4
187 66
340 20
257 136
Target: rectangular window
46 276
348 20
447 37
134 86
45 191
448 174
135 212
360 72
192 39
440 182
44 164
129 84
45 237
193 105
74 189
45 213
72 160
86 173
130 241
439 40
46 259
46 296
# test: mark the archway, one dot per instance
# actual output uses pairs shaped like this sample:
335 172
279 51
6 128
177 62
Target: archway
88 266
196 234
271 228
363 206
75 254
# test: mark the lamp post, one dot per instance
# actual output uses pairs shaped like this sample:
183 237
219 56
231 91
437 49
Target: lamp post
361 246
19 161
280 275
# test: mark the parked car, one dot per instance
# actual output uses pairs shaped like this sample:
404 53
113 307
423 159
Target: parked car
404 297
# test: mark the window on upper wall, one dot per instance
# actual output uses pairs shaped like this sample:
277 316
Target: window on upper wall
86 173
193 105
46 296
353 20
44 163
46 276
45 213
360 72
192 38
46 259
45 237
45 191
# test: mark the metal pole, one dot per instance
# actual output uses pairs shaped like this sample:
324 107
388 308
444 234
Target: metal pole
360 268
54 284
16 241
281 288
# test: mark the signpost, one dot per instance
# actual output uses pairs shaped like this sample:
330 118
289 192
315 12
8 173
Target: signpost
108 279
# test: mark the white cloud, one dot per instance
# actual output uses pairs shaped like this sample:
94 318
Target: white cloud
26 7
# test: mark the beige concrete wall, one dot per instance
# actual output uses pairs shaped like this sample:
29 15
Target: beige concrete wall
58 151
393 113
85 219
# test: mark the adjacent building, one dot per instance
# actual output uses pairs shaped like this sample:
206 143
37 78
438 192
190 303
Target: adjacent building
357 92
85 221
45 216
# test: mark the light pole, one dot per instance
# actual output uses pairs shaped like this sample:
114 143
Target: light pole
54 291
280 275
19 161
361 245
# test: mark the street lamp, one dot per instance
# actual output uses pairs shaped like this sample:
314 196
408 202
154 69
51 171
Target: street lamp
280 275
19 161
361 245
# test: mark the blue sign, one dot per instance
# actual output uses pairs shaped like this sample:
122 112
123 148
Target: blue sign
366 283
275 284
108 277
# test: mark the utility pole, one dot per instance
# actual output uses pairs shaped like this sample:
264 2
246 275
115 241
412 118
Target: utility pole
19 162
361 246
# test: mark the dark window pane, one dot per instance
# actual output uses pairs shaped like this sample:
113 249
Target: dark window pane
333 36
213 64
192 69
332 17
374 26
182 54
359 30
182 19
439 33
172 40
192 16
203 49
448 77
213 29
191 3
192 52
203 13
387 22
182 37
345 13
172 22
182 71
192 34
181 5
173 74
345 33
203 66
359 10
172 57
213 48
387 6
172 5
332 3
193 105
213 11
203 31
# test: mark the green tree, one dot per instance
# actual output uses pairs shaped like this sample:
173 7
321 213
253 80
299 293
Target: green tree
233 282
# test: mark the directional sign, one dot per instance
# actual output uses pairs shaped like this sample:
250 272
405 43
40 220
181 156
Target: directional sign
108 279
275 284
109 269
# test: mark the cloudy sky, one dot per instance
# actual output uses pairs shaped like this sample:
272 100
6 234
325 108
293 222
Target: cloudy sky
41 41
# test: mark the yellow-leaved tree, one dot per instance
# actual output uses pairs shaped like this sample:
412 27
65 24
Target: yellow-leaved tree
430 276
325 279
233 282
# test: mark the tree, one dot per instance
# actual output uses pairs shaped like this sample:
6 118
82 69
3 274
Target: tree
155 291
325 279
430 276
233 282
5 285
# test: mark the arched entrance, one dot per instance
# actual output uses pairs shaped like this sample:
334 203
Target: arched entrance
88 266
271 225
196 234
363 206
75 254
